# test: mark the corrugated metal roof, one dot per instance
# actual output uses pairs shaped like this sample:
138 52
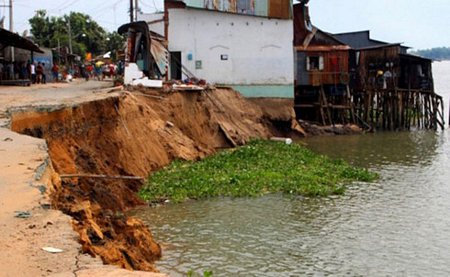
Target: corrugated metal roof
361 40
8 38
358 40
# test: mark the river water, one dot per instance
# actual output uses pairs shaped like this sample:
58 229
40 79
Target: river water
399 226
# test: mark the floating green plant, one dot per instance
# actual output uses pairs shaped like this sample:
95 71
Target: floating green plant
257 168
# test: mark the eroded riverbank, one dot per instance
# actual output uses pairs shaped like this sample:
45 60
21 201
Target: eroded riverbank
132 134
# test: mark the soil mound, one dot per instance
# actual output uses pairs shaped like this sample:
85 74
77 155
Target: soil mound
133 135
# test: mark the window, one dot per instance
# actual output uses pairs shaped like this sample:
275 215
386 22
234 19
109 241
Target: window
314 63
244 6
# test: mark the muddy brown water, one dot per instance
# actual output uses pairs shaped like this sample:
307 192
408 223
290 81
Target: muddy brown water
398 226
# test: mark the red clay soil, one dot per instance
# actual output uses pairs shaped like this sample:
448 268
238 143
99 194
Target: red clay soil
134 134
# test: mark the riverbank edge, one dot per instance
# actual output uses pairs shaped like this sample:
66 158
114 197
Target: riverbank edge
56 181
29 220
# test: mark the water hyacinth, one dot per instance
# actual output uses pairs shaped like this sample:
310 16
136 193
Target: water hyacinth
257 168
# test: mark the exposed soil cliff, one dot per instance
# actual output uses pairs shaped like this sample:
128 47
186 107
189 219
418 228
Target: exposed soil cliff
134 134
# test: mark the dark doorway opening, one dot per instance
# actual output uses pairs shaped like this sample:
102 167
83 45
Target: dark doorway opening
175 66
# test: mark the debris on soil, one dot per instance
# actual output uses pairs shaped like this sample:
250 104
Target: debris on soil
22 214
287 141
52 250
337 129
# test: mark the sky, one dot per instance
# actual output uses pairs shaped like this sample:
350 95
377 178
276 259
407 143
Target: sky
419 24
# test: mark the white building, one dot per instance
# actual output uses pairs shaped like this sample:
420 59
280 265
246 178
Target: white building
244 44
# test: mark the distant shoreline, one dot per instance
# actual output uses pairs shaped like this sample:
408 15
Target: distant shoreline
435 54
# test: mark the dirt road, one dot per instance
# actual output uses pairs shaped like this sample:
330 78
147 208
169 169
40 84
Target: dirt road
27 224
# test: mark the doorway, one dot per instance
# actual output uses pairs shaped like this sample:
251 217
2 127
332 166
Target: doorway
175 66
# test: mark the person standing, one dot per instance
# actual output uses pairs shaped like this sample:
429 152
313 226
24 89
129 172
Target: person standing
44 77
111 71
90 70
10 69
39 71
55 72
24 70
33 73
1 71
16 67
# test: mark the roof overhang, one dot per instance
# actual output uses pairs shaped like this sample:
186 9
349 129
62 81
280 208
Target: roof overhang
323 48
8 38
387 45
140 26
415 58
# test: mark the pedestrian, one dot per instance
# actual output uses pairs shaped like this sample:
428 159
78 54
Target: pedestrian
10 68
90 70
98 70
111 71
33 73
120 68
105 71
83 72
24 70
19 71
39 72
44 76
55 72
16 70
1 71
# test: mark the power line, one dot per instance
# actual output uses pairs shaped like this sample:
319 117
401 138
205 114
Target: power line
101 8
154 7
70 4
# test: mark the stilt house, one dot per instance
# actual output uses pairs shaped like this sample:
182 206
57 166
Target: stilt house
352 78
322 73
391 88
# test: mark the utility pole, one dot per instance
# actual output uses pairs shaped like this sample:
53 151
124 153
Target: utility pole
131 11
59 51
70 35
136 10
11 26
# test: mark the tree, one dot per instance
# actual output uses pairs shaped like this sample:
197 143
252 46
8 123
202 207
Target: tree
115 42
40 24
85 34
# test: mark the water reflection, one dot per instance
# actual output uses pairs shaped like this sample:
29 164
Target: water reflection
396 227
380 149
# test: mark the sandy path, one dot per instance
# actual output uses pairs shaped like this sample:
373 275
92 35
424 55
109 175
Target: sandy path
22 181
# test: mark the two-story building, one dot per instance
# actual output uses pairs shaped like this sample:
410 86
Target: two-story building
244 44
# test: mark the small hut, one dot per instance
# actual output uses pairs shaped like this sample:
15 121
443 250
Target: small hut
391 89
15 75
322 76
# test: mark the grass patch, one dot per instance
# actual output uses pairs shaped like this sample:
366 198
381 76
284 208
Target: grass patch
257 168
